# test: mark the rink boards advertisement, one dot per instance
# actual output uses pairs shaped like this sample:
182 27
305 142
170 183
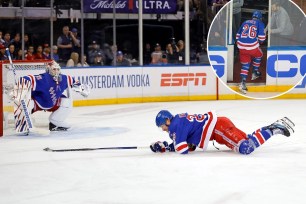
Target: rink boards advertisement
148 83
286 65
111 85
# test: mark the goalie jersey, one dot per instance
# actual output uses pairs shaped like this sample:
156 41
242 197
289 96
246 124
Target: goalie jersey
194 129
46 91
250 34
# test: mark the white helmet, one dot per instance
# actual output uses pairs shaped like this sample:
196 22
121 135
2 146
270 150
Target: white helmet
54 69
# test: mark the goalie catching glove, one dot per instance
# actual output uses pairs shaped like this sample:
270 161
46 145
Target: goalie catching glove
83 89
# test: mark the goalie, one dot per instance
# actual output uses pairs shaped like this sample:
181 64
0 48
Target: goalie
45 92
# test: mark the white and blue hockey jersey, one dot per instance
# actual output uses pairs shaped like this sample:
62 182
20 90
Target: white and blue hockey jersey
250 34
46 91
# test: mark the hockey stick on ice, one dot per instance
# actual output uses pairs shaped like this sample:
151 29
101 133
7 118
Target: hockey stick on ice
92 149
23 104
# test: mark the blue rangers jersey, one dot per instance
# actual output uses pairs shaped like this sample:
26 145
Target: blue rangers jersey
250 34
46 91
194 129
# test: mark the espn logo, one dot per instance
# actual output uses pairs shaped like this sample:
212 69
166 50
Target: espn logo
181 79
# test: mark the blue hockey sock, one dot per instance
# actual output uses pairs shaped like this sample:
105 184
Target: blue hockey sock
256 64
244 71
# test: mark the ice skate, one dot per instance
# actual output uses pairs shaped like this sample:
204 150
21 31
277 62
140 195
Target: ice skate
255 75
53 127
282 126
242 87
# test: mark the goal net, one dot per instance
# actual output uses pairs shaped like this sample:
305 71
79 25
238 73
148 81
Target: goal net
22 68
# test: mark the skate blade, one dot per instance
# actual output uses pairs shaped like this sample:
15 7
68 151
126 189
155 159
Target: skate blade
254 77
289 124
242 91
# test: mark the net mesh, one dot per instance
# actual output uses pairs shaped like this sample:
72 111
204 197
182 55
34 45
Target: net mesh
22 68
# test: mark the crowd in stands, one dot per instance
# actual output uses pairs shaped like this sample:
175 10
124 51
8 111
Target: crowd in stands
67 49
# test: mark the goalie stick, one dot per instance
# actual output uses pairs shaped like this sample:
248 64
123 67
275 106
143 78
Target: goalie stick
92 149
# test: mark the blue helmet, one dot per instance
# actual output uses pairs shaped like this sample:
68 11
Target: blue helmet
257 14
162 116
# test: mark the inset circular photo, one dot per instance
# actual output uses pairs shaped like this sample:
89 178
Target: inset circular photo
258 48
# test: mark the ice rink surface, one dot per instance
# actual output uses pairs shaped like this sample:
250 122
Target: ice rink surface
274 173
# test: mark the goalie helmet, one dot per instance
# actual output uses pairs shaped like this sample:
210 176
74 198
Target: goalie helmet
162 117
257 14
54 69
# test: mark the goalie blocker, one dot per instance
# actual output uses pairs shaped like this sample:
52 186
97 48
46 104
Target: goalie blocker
49 91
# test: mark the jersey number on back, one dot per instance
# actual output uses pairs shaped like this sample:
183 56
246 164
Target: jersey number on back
249 31
197 117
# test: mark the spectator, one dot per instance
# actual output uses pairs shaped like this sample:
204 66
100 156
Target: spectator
156 58
147 54
108 54
85 64
172 55
26 41
12 51
30 53
16 42
121 61
76 41
46 52
74 60
217 5
181 52
64 44
7 39
2 52
98 60
94 48
1 39
38 54
55 54
157 48
19 54
281 26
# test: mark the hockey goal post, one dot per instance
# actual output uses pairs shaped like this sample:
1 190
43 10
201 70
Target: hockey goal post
22 68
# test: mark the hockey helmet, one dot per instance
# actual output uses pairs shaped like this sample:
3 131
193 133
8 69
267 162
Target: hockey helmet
162 117
54 69
257 14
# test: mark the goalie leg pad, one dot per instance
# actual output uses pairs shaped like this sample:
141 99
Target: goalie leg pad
59 116
20 117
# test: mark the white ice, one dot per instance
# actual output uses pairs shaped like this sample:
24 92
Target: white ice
274 173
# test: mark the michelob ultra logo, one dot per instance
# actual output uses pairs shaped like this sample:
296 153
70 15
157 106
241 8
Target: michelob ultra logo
182 79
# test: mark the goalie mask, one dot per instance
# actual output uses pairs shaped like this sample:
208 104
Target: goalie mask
54 70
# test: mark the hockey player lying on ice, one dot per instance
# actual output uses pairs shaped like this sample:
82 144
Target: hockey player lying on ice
45 92
191 131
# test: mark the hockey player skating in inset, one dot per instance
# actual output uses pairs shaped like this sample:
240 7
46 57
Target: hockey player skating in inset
250 34
46 92
191 131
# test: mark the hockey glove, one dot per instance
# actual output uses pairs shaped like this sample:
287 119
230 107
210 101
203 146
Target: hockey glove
162 147
83 89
